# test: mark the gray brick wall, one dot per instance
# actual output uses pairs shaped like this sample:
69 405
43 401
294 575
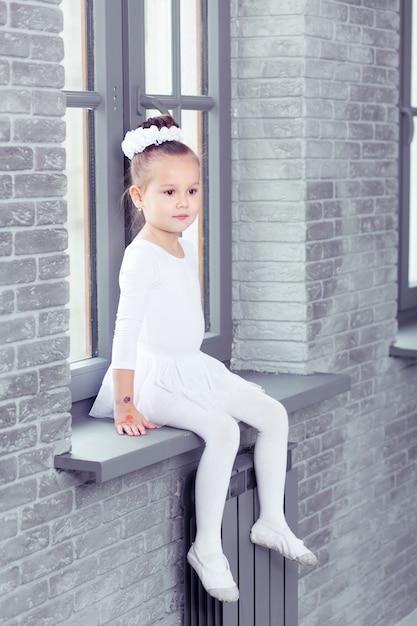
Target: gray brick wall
315 88
34 399
315 249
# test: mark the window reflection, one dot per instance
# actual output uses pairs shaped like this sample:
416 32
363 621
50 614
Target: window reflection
412 259
158 46
191 41
78 232
74 12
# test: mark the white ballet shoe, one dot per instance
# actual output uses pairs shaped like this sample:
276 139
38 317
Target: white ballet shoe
285 542
215 575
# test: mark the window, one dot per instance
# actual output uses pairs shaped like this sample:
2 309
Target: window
408 166
127 60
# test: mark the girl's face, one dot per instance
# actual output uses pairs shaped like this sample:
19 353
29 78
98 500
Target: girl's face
170 200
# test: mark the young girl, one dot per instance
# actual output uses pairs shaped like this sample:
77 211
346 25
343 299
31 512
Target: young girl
159 375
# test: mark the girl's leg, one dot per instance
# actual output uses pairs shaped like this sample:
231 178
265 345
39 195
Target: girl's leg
270 419
221 435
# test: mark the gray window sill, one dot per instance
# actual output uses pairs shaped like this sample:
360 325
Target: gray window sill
96 448
405 344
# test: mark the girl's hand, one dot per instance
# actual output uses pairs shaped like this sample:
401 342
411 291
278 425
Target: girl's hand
131 422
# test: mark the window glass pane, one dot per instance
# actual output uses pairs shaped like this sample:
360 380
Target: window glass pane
78 230
194 125
191 47
412 230
191 126
75 55
412 261
414 59
158 47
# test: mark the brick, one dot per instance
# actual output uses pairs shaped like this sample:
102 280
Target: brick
53 322
5 187
15 101
121 504
97 539
3 13
318 231
7 415
17 214
143 569
16 495
9 579
54 267
46 510
17 385
8 527
6 301
14 44
24 599
147 517
42 352
17 272
51 212
5 130
55 481
59 611
42 296
121 554
46 403
41 18
73 576
49 159
90 616
39 185
56 428
35 461
79 523
319 190
54 376
4 72
8 470
37 74
100 588
17 330
52 560
7 359
50 103
36 130
47 48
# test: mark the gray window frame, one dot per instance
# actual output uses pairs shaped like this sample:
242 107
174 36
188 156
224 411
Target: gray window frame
407 300
117 104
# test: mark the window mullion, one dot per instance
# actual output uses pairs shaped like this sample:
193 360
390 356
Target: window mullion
191 103
83 99
176 55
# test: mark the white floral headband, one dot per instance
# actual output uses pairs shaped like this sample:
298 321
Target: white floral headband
137 140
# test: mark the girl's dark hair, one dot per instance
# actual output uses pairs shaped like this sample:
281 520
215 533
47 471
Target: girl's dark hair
141 163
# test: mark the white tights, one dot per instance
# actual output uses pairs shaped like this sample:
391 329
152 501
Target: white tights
221 434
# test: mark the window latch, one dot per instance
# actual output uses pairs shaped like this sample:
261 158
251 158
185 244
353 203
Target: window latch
409 114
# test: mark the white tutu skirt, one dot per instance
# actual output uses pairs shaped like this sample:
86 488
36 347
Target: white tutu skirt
162 384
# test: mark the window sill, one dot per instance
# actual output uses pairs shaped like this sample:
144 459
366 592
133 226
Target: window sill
405 344
97 449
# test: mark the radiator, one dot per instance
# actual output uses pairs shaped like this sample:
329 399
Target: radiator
267 582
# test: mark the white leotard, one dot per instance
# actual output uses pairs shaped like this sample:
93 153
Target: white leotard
159 331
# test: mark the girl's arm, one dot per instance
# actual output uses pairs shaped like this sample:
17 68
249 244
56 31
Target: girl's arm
137 277
127 418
